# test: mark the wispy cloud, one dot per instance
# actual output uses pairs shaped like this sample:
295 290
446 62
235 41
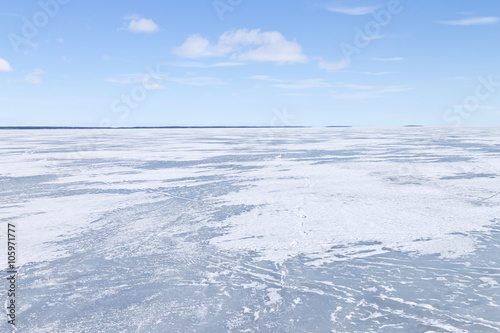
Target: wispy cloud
138 24
152 82
228 64
352 10
298 84
369 93
34 77
4 66
303 84
353 86
374 37
472 21
143 78
196 64
126 78
265 78
198 81
333 66
245 45
190 64
390 59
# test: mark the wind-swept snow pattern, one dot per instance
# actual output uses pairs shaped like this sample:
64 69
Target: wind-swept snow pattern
254 230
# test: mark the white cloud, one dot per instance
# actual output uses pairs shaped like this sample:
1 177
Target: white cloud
303 84
196 46
370 93
392 89
353 10
264 78
300 84
390 59
228 64
353 86
154 81
198 81
245 45
295 94
190 64
141 25
194 64
472 21
34 77
126 78
373 37
4 66
279 51
333 66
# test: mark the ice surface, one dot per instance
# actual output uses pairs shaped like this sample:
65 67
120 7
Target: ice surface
246 230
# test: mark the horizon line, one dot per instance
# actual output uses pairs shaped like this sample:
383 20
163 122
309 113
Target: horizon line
156 127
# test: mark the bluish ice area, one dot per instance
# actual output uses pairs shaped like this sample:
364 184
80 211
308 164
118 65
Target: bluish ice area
254 230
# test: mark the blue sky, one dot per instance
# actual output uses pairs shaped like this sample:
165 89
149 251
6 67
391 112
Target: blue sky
242 62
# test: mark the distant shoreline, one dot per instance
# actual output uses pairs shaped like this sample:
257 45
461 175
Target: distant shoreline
146 127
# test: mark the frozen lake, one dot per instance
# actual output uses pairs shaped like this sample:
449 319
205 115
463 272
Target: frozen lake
254 230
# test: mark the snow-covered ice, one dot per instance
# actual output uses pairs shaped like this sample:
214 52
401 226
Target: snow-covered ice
254 230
